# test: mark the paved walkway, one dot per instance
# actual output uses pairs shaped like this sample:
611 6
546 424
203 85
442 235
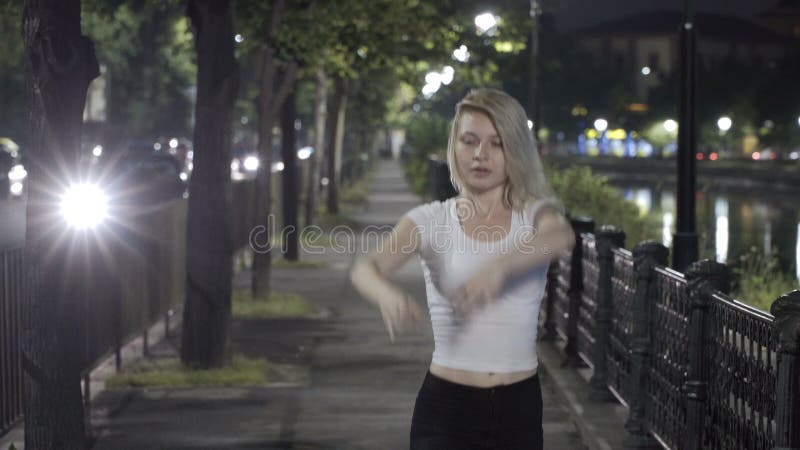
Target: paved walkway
361 390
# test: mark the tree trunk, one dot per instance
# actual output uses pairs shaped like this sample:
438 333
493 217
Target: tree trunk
209 250
336 121
320 111
291 194
262 242
60 63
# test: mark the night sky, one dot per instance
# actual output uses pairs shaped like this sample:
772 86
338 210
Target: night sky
573 14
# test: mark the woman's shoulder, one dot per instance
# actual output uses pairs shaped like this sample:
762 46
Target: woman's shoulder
532 206
435 211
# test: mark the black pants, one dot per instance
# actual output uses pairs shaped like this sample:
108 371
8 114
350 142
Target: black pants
453 416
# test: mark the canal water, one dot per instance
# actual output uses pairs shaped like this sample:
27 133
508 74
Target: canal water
729 221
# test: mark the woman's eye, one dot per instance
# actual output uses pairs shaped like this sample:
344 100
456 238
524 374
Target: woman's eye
468 141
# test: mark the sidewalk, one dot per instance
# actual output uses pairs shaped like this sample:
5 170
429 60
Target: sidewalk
362 388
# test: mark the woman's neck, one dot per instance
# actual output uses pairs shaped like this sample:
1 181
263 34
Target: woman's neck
490 203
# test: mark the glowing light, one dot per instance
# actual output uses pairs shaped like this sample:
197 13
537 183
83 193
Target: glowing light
97 150
15 188
447 75
324 181
17 173
433 78
461 54
184 176
722 232
713 156
238 38
645 70
699 156
278 166
666 230
485 22
670 126
756 156
173 143
157 146
305 153
251 163
601 125
84 206
530 124
724 123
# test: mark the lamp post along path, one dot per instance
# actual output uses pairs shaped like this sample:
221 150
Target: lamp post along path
685 241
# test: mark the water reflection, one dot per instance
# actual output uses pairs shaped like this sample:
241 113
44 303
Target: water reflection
729 222
722 232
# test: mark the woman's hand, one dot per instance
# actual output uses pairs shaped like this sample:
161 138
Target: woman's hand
479 291
397 310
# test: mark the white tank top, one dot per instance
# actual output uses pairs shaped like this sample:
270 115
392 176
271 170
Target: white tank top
501 337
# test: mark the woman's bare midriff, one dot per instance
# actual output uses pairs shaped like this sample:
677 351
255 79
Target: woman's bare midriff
479 379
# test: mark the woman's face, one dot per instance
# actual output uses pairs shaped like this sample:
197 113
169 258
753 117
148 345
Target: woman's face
480 154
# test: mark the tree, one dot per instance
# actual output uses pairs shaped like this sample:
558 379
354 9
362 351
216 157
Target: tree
60 63
209 253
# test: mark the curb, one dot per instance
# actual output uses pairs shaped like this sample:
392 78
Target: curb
600 424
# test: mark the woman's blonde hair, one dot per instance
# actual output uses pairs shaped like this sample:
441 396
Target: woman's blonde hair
526 179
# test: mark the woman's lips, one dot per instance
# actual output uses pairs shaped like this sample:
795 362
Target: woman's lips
480 171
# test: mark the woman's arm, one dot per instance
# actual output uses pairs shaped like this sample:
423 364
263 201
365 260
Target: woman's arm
370 276
552 235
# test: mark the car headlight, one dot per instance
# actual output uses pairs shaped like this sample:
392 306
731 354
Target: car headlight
17 173
84 206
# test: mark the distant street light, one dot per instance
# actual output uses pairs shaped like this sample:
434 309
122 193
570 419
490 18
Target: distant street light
798 121
670 126
645 70
601 125
461 54
485 22
724 123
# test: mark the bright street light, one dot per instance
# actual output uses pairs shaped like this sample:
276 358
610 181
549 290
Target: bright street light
601 125
670 125
645 70
485 22
447 75
724 123
461 54
251 163
305 153
84 206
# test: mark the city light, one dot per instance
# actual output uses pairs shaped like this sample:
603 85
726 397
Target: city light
670 126
485 22
461 54
251 163
84 206
447 75
305 153
600 125
530 124
238 38
724 123
645 70
97 150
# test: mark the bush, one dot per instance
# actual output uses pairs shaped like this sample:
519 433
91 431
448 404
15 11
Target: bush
759 280
586 194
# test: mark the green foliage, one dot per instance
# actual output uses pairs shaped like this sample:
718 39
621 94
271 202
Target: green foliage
586 194
759 280
147 50
168 372
12 74
426 135
278 305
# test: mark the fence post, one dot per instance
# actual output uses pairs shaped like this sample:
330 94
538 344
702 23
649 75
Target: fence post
703 277
607 238
579 225
646 255
549 326
786 310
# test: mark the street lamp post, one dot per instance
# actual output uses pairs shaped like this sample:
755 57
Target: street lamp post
685 247
535 108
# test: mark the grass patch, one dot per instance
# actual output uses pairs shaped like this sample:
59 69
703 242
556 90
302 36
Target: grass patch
759 280
168 372
279 305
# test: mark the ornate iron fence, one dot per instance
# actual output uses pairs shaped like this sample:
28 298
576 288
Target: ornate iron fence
696 368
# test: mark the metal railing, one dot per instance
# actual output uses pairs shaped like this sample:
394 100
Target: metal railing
696 368
138 278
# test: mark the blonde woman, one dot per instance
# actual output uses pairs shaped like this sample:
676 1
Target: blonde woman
484 255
